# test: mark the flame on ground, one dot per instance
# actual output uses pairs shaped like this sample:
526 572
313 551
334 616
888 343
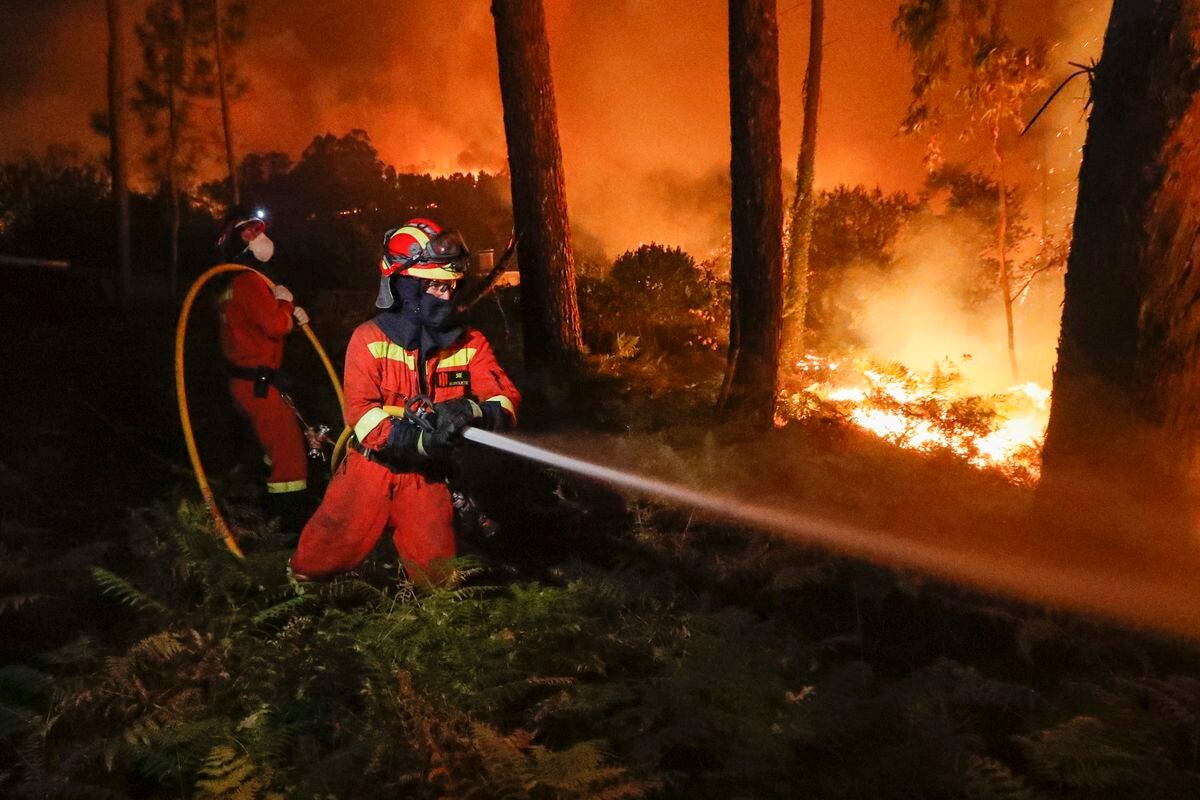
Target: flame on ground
929 412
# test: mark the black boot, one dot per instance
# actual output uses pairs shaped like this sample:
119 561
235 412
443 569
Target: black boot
292 509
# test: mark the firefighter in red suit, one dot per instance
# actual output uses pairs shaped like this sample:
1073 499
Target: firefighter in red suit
394 474
255 321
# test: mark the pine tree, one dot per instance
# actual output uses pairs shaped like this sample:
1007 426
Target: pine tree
757 213
549 305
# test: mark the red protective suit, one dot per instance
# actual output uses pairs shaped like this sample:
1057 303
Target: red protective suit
365 497
253 328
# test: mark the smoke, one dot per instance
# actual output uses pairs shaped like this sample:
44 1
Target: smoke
921 313
642 93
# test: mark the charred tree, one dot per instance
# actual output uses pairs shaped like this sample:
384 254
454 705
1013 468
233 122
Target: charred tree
223 94
757 214
1126 401
118 131
549 305
800 241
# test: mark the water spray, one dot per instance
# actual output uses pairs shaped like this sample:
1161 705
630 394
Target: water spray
1119 594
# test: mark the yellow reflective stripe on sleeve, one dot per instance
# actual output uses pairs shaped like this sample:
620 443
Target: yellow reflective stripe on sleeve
459 358
421 444
369 422
392 352
286 486
476 411
504 402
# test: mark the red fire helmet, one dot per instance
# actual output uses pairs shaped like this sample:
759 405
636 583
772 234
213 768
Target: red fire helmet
421 249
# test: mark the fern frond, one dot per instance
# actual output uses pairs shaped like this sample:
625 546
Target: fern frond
1080 753
988 779
279 612
126 593
228 773
157 648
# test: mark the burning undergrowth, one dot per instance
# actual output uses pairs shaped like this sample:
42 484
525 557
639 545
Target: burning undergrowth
934 411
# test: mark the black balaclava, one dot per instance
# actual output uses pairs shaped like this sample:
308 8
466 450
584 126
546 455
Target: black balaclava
418 320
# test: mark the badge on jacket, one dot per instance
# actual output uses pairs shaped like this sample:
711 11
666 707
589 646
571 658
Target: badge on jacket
445 378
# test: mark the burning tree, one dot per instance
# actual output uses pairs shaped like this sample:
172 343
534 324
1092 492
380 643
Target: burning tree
756 306
1126 402
550 307
962 44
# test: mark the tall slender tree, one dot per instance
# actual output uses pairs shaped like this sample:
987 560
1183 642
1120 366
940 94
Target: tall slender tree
965 65
223 94
757 212
179 75
1126 400
118 131
549 304
803 202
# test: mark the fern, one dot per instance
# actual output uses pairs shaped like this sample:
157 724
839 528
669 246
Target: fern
157 649
230 773
988 779
126 593
1080 753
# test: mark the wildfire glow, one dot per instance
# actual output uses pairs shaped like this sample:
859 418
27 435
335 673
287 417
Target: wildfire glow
931 412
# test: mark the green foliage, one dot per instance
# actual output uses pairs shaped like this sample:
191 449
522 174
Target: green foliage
651 677
659 295
965 63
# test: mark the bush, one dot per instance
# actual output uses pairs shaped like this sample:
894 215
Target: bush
660 295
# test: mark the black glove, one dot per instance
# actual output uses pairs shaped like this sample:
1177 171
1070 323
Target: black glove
402 440
454 415
495 418
439 443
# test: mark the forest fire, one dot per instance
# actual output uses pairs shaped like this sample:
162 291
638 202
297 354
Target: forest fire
929 412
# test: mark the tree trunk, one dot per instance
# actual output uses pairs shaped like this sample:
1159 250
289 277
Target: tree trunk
549 306
173 191
1126 402
117 132
757 210
800 241
174 79
219 34
1002 251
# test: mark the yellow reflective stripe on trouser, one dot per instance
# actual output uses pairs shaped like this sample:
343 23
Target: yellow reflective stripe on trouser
369 421
392 352
505 403
421 443
286 486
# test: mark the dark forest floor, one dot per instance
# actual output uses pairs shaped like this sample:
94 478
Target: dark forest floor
599 645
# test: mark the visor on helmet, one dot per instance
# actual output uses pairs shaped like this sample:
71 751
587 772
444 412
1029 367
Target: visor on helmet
422 251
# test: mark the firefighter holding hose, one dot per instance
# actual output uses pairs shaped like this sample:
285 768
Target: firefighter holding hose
255 322
415 378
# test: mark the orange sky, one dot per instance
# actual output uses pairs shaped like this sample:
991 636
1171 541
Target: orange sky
641 87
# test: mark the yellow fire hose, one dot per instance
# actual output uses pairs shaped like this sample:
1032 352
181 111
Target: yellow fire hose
185 416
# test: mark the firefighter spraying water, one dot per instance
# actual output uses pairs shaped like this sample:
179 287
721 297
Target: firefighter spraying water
416 377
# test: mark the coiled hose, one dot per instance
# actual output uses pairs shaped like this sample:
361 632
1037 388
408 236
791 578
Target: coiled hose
185 417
